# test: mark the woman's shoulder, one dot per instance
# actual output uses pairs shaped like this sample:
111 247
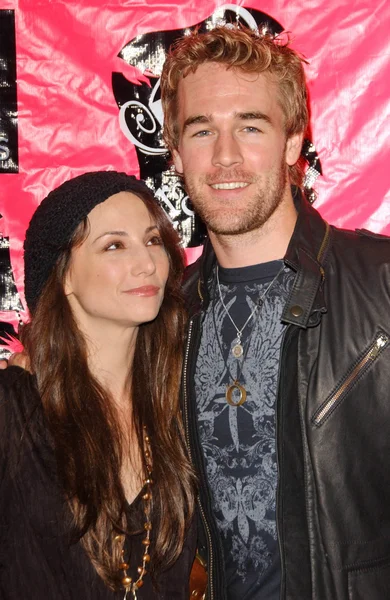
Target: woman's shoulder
15 379
13 374
17 388
19 401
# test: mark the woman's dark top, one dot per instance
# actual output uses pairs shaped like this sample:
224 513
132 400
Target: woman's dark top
37 559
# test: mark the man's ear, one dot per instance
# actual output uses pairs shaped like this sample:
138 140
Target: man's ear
177 162
293 148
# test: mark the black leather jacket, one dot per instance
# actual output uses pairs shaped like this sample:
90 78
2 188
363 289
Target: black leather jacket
333 416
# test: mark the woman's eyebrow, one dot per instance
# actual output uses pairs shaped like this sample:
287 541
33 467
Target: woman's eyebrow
122 233
115 232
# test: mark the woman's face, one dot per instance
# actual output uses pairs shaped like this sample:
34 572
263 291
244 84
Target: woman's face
118 273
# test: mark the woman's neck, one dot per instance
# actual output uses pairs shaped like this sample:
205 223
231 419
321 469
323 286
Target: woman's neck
110 358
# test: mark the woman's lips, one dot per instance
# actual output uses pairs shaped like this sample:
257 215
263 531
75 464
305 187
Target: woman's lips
145 290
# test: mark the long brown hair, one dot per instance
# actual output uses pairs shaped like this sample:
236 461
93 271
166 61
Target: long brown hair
87 437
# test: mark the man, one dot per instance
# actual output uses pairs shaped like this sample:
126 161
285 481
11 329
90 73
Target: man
286 378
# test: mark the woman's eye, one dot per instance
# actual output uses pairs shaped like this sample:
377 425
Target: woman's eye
114 246
155 241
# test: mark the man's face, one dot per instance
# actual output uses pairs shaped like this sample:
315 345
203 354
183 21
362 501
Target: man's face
232 148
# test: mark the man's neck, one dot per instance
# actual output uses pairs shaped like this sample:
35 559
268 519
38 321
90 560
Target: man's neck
261 245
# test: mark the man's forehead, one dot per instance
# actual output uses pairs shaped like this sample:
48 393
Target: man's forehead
213 68
213 84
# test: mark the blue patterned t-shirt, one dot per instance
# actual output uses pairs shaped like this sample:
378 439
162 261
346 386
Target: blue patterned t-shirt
238 442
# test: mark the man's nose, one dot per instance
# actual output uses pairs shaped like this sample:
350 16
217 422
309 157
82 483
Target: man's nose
227 151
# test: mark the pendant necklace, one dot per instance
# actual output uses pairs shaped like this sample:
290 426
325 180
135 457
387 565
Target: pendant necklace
238 349
236 385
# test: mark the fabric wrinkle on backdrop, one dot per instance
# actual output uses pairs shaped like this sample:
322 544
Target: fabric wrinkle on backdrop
80 91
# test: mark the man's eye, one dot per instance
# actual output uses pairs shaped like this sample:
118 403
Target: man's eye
202 133
251 129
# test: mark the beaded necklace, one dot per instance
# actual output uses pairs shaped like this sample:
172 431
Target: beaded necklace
130 586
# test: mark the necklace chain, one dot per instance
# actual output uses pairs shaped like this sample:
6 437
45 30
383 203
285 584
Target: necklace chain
237 348
235 385
131 587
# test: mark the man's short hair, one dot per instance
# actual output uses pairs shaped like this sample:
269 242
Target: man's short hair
246 50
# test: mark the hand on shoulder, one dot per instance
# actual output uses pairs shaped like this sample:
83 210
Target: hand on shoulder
18 359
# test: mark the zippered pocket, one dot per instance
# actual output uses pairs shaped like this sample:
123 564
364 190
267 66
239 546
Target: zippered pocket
364 363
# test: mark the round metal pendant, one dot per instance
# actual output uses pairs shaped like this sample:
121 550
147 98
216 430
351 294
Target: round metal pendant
230 392
237 350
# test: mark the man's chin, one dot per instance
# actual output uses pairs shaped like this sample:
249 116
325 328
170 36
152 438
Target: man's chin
221 228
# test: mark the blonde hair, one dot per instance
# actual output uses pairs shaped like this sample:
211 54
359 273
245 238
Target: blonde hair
249 51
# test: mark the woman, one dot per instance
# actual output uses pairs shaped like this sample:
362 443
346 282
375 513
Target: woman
97 493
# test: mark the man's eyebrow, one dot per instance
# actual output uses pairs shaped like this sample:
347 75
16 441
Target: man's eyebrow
253 115
195 120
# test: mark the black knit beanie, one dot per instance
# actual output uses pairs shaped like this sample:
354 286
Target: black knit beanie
57 217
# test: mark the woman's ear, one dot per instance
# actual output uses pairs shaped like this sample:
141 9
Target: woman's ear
68 288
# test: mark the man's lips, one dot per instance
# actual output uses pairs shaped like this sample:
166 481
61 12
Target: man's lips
145 290
229 185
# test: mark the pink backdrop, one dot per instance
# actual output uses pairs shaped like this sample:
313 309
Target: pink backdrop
68 117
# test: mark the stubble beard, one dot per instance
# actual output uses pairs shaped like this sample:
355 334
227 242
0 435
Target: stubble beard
268 195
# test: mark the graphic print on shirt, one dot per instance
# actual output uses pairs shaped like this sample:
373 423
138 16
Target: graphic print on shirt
239 442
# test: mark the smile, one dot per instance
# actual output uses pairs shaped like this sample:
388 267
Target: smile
146 290
231 185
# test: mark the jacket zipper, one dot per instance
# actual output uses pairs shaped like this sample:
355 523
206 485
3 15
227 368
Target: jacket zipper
206 526
324 244
364 363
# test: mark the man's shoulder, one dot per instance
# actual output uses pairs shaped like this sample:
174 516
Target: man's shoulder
360 258
360 233
367 245
380 237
